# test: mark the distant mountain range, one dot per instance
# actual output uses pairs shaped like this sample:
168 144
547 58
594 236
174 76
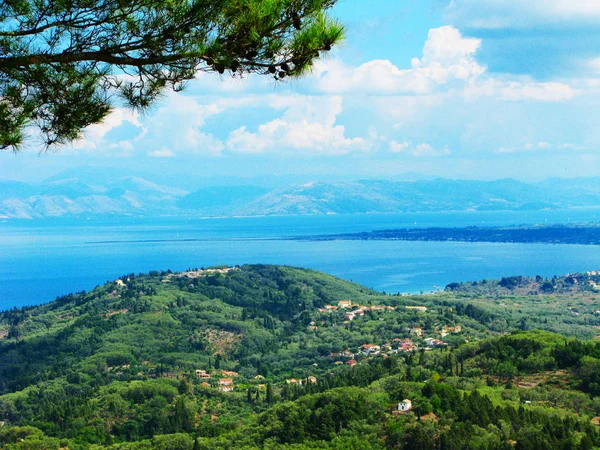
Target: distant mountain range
89 196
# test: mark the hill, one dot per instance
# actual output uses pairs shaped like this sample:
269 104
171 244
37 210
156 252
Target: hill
279 357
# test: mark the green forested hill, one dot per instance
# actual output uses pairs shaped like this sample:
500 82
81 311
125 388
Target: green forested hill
259 357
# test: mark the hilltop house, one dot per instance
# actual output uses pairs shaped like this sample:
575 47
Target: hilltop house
202 374
405 406
431 342
370 349
345 304
417 331
226 384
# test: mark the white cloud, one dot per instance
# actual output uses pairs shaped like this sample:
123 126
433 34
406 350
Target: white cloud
94 134
540 146
447 56
496 14
419 150
179 123
448 65
308 124
162 153
520 89
593 65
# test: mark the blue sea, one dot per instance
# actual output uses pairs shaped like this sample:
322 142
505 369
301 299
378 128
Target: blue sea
40 260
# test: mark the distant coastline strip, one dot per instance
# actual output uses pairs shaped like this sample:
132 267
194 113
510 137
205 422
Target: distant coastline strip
555 234
214 239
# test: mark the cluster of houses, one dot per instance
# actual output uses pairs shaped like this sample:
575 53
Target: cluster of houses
357 310
389 348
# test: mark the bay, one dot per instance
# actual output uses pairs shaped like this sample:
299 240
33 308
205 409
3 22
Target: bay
40 260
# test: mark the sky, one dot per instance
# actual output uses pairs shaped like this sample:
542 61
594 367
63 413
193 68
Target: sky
479 89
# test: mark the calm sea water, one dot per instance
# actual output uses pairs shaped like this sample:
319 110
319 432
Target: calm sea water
40 260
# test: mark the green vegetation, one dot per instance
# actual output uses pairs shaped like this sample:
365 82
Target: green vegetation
268 357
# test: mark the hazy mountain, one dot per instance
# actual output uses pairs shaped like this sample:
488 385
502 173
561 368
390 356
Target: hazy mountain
422 195
95 194
220 200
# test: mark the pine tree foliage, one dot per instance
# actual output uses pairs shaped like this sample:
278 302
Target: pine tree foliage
64 63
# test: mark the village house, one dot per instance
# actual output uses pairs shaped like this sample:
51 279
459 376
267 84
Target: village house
226 384
406 346
345 304
347 354
227 373
351 363
294 381
420 309
370 349
311 380
205 384
349 316
331 308
378 308
417 331
202 374
431 342
405 406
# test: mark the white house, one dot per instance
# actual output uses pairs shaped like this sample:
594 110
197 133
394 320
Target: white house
405 406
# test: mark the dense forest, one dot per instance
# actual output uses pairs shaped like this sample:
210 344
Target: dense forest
583 234
278 357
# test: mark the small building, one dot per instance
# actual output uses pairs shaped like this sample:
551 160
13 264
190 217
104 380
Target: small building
311 380
294 381
405 406
378 308
420 309
344 304
431 342
203 374
351 363
370 349
227 373
349 316
226 384
204 384
417 331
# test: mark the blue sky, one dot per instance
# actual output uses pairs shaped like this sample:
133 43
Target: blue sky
478 89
